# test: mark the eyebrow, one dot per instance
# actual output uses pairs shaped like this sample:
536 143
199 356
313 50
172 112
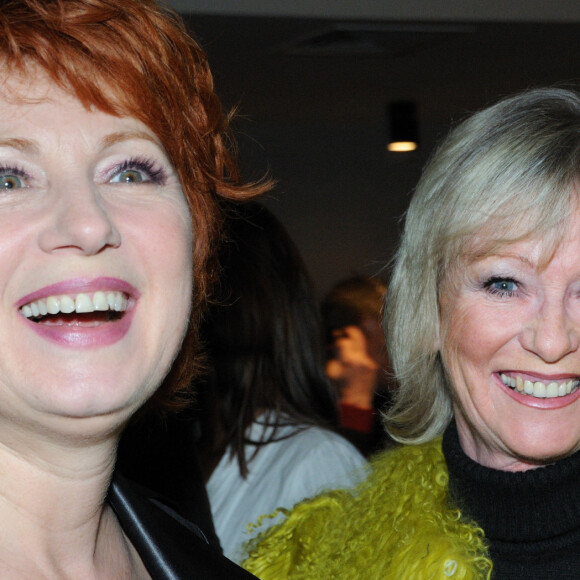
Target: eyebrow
120 137
520 258
526 261
31 147
23 145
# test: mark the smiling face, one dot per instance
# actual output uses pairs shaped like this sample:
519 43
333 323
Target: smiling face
511 349
95 260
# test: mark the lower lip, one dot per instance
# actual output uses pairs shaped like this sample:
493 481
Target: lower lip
73 336
539 403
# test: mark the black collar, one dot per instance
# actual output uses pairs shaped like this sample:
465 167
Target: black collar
171 547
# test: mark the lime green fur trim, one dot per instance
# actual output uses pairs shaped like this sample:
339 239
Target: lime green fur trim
397 524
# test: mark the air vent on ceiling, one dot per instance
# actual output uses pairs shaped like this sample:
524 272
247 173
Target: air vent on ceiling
360 39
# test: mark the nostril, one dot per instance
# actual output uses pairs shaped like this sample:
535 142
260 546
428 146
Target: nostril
550 339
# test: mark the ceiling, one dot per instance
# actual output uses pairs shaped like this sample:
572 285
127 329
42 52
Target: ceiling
312 80
489 10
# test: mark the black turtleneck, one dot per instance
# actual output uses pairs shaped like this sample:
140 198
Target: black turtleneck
531 519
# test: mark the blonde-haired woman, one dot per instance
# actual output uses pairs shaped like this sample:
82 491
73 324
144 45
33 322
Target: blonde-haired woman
483 326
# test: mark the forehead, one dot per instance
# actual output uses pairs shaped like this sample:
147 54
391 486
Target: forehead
35 111
30 83
27 85
31 95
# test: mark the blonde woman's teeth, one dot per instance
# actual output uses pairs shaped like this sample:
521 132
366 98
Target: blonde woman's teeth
81 303
540 389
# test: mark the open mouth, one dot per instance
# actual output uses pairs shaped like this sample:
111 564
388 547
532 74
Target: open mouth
84 309
540 389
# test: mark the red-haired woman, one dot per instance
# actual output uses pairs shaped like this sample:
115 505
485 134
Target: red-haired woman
112 163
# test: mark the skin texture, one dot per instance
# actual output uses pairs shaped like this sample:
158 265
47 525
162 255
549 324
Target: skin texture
504 313
77 211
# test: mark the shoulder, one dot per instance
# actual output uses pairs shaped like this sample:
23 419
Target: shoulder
307 453
320 458
319 441
170 546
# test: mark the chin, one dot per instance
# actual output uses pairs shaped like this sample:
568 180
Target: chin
111 400
546 453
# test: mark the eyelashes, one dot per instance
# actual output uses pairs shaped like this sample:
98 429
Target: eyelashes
138 170
12 170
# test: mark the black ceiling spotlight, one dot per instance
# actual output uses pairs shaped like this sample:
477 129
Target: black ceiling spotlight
403 126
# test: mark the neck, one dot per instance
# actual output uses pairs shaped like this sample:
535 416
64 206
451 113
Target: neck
52 507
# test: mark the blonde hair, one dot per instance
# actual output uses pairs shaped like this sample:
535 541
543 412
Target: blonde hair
505 174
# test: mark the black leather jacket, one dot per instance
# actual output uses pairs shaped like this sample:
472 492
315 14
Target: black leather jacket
171 547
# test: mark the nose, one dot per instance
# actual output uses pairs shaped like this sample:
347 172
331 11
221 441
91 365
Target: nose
79 221
553 333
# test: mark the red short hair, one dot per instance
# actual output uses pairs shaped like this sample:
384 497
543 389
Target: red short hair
135 58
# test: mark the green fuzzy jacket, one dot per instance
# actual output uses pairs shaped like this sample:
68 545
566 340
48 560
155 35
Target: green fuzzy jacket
397 524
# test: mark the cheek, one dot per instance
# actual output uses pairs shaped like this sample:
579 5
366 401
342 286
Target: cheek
461 344
478 341
180 263
161 241
169 238
170 273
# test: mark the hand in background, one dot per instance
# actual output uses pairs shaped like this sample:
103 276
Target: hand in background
352 368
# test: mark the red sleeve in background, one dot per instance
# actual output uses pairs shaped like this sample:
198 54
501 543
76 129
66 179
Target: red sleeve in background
355 418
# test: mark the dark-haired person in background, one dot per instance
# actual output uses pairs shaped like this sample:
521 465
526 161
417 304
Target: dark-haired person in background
267 409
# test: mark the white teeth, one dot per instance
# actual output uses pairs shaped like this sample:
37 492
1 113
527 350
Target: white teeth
53 305
552 390
119 302
42 308
67 305
539 389
100 301
82 303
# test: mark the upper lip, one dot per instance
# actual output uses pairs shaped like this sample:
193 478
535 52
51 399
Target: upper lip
76 286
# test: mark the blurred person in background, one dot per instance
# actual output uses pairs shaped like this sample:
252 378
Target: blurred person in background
357 362
266 408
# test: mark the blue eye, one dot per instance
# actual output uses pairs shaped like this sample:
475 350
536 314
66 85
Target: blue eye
135 171
501 286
